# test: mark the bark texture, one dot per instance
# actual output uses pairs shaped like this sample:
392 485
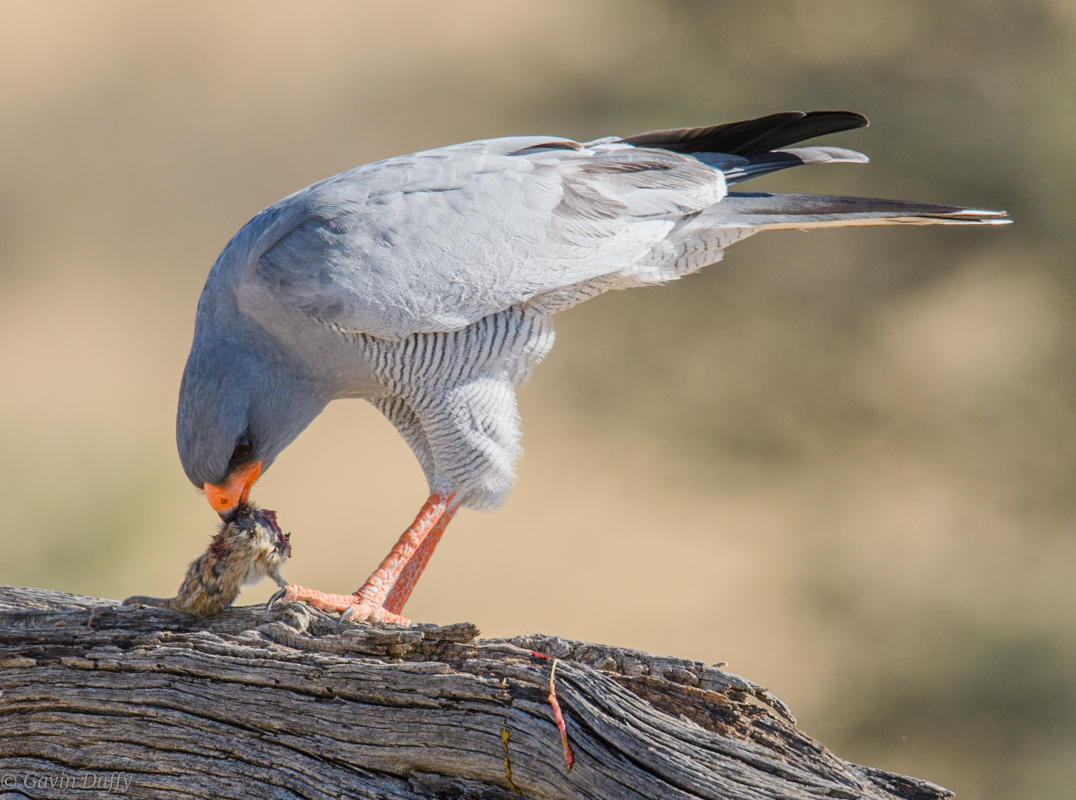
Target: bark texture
100 699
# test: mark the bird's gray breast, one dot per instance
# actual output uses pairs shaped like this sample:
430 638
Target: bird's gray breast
452 398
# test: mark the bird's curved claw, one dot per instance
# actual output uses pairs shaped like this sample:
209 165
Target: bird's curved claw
347 612
272 600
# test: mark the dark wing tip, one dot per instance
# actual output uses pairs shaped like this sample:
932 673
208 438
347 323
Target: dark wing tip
851 119
751 136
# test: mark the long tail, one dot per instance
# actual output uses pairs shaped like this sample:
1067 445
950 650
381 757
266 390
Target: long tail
772 212
700 239
748 149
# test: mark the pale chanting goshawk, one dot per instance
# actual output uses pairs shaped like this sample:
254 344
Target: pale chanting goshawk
427 284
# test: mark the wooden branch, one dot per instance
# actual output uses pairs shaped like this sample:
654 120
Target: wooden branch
99 699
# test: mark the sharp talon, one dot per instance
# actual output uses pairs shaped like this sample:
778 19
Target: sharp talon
280 593
347 612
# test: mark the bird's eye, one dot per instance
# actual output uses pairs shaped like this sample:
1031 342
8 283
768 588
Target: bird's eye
243 448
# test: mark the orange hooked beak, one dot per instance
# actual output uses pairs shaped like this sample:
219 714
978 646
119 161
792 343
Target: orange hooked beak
234 490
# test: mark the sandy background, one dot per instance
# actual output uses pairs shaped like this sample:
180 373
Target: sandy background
846 457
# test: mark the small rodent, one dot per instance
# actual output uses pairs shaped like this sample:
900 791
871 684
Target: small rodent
248 547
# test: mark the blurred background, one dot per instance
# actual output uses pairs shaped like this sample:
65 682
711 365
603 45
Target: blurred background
850 454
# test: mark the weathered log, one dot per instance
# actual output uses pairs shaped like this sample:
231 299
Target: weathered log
99 698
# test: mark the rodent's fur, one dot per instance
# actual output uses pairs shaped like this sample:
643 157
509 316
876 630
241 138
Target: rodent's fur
249 547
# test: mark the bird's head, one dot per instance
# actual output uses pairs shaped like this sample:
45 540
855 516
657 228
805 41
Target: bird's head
238 409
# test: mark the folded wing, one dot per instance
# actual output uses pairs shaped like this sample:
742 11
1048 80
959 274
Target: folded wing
438 240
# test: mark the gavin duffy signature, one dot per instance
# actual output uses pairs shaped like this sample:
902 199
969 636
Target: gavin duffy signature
112 782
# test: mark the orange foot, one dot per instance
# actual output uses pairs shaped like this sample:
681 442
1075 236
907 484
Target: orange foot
382 597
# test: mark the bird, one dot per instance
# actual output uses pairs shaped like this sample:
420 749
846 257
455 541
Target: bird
426 284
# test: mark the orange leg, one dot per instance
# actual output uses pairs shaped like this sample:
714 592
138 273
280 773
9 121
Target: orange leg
408 579
371 601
